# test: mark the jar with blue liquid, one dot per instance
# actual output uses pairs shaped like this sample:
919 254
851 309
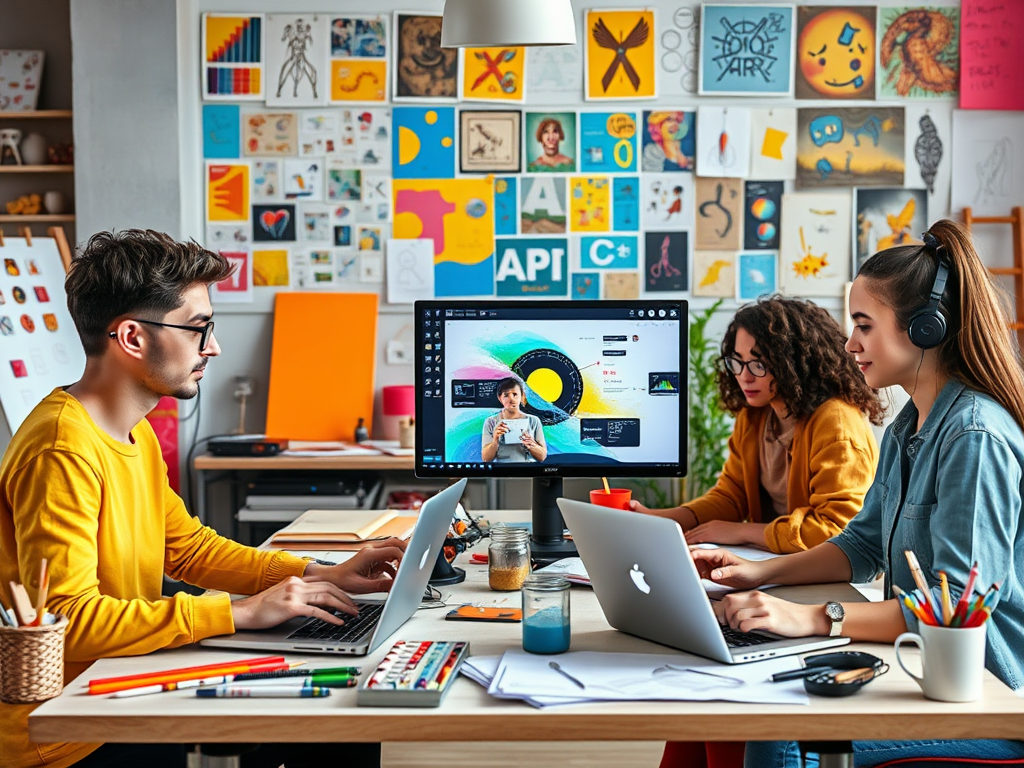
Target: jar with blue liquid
546 613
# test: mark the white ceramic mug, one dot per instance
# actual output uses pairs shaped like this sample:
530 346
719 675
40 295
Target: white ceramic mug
952 661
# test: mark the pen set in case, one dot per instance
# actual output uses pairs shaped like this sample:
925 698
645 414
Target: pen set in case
413 673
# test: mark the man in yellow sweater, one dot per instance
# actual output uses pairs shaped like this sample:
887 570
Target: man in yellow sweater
84 485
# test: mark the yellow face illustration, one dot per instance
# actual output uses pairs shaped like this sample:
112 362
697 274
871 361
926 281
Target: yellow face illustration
837 53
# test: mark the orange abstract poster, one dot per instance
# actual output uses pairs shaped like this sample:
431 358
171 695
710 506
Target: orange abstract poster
322 365
620 55
493 74
227 192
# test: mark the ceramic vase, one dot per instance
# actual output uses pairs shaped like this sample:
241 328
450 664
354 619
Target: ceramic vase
33 149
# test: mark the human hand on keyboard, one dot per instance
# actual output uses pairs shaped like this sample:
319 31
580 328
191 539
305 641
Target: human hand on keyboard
749 611
372 569
723 567
290 599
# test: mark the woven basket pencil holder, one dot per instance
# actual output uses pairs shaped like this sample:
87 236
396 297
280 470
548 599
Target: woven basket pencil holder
32 662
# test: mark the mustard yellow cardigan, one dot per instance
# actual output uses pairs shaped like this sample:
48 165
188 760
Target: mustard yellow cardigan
103 515
834 455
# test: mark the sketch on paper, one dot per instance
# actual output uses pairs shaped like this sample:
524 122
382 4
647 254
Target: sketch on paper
988 165
344 184
668 201
297 54
928 151
714 274
542 210
666 257
315 224
847 147
620 54
814 253
719 214
886 218
746 50
835 52
554 73
425 70
621 285
723 141
919 52
493 74
371 267
226 236
489 141
303 179
365 138
668 140
410 270
678 60
762 209
757 274
269 134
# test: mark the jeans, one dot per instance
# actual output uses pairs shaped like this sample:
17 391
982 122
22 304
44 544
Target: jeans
786 754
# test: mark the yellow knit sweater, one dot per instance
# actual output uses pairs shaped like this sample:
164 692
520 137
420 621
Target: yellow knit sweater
103 515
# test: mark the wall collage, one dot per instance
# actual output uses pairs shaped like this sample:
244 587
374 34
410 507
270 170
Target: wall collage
353 152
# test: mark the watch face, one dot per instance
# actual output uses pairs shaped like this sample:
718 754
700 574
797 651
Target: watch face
835 611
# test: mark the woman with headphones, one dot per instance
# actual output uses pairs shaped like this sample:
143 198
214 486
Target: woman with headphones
949 484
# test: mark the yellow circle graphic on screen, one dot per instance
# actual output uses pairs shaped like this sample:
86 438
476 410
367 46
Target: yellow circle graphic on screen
431 117
545 383
408 145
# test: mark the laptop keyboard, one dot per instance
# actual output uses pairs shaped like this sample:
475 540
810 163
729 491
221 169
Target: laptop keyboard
736 639
353 629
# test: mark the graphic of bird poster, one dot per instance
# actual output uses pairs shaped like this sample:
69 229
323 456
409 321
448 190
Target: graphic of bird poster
919 52
886 218
620 55
814 257
493 74
714 274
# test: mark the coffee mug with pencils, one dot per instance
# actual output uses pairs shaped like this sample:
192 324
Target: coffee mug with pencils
951 636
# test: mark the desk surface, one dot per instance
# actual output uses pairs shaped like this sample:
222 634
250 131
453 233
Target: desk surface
892 707
208 462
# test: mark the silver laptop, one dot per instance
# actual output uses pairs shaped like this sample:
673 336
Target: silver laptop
647 585
376 622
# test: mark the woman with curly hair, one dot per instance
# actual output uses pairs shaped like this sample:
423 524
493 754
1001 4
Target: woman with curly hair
802 454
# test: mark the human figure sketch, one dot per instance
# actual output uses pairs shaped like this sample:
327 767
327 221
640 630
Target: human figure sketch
993 170
297 66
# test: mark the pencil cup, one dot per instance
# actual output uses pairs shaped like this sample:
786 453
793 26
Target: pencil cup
618 498
32 662
952 661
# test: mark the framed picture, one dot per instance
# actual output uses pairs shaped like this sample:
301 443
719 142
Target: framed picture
489 141
423 71
233 57
20 75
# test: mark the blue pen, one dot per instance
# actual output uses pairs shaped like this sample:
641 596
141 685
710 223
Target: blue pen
438 654
263 692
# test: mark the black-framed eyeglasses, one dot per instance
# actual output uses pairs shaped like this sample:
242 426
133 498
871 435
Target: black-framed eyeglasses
205 331
735 366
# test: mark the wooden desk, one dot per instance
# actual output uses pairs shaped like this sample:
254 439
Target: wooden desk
892 707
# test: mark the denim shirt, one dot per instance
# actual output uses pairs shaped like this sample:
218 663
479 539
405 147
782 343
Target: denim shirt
963 505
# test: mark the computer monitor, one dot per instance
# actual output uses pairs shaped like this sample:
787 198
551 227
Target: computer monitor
604 385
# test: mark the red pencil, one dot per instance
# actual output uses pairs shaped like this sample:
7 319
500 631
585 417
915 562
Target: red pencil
111 684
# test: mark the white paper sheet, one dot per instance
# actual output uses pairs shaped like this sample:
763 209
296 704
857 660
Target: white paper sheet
410 270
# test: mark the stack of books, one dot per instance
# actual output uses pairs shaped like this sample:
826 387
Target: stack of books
341 530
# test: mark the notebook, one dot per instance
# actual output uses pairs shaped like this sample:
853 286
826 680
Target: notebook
330 526
376 621
647 584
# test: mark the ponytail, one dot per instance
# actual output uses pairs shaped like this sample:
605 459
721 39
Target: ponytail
979 349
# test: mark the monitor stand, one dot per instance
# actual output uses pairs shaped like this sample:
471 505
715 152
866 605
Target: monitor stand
548 544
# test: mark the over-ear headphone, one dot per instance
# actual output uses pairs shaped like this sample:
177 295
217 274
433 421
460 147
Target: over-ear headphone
927 327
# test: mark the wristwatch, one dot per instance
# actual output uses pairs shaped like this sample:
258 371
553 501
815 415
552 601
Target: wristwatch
836 614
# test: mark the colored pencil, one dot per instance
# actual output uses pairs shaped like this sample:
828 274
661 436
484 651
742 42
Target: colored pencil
947 605
922 584
112 684
145 690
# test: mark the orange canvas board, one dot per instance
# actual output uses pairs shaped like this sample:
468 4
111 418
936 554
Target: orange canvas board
322 365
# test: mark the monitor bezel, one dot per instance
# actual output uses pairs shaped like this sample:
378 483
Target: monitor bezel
534 470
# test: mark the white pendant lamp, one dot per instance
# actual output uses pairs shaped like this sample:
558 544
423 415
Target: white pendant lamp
488 23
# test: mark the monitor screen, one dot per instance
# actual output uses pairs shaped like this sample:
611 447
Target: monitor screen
551 388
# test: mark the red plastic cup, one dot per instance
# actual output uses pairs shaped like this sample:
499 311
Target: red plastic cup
617 499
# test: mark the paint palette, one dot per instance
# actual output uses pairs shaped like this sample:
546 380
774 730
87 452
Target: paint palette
414 673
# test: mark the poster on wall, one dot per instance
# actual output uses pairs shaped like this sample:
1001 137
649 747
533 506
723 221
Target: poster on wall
227 192
814 254
506 205
270 134
668 201
609 252
746 50
532 267
555 73
929 137
359 59
667 267
669 142
677 51
424 71
590 204
625 203
410 271
550 142
773 143
297 56
885 218
762 210
543 207
493 74
233 56
756 275
988 165
835 52
236 288
39 345
719 214
489 141
608 142
423 142
714 274
850 147
723 141
619 54
919 52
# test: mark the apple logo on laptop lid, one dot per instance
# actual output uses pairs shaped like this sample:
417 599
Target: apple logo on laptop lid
638 579
423 557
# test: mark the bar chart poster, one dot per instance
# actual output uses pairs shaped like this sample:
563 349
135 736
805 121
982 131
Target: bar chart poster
233 57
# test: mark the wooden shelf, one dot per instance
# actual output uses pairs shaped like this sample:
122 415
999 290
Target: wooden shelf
37 168
42 114
36 219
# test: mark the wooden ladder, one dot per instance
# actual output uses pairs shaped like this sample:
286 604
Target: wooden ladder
1016 220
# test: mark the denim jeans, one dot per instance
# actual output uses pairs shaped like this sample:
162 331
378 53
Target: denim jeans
786 754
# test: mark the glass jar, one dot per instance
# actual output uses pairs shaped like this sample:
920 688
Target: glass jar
546 614
508 558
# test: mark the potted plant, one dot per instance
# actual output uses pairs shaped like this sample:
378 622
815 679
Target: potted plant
710 425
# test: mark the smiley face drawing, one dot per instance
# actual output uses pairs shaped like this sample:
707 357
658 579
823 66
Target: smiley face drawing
836 51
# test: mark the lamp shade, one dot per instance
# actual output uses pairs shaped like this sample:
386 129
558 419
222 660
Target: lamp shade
399 400
487 23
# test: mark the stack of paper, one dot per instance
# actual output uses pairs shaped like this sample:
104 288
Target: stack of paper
570 567
342 529
593 676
